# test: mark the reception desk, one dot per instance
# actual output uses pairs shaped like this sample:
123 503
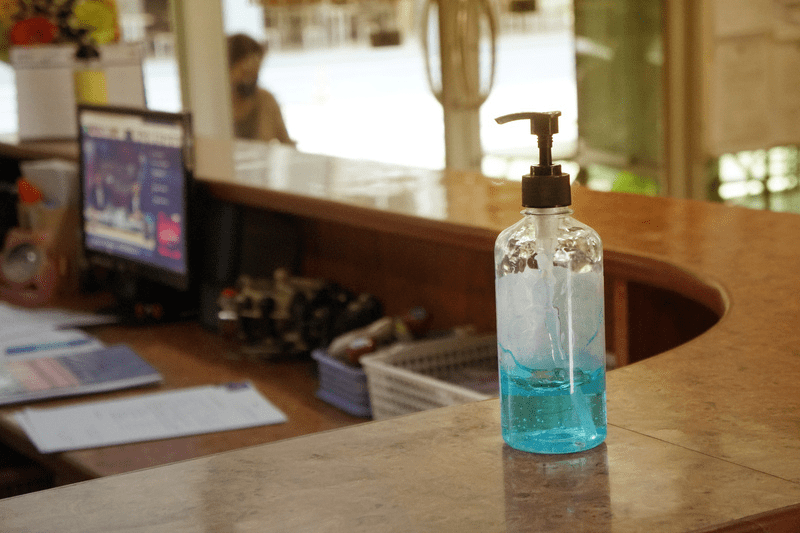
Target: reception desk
702 437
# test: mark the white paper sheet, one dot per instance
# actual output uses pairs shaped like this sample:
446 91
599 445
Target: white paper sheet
17 321
162 415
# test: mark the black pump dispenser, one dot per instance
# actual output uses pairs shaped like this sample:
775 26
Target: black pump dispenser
546 185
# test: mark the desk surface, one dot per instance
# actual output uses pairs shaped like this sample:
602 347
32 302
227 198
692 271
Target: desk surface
188 355
701 435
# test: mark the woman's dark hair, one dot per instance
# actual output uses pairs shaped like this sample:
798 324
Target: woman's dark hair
241 46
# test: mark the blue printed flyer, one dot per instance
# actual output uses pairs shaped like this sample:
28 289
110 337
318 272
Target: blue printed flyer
24 378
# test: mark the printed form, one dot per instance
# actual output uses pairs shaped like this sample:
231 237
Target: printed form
145 417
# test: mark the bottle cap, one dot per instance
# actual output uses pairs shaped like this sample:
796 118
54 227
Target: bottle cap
546 185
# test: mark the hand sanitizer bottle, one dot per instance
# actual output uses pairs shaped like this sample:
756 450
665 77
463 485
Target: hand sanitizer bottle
550 324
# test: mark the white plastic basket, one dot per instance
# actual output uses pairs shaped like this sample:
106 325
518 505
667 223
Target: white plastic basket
410 377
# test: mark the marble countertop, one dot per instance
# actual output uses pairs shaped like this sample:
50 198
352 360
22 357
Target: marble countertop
705 434
441 470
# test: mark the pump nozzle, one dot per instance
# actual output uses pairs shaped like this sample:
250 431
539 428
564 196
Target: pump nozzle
546 185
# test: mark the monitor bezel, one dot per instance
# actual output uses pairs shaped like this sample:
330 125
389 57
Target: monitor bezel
125 265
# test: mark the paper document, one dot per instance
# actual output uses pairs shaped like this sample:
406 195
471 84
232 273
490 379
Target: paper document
15 320
24 378
152 416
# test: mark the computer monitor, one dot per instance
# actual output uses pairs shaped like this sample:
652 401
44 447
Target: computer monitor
136 190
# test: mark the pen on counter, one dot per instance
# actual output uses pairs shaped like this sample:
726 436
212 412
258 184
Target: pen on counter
31 348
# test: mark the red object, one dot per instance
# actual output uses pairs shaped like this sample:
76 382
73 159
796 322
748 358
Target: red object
229 292
28 194
169 236
35 30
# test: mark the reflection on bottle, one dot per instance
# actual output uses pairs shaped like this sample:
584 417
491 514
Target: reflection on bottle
557 492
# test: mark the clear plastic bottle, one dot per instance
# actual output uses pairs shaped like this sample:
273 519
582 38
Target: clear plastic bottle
550 323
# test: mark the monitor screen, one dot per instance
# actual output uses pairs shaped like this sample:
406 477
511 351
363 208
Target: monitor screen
135 183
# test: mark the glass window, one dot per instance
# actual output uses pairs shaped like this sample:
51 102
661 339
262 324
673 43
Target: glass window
535 71
349 78
350 75
140 21
351 81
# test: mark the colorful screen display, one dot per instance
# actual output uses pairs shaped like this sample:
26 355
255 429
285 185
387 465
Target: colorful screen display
134 187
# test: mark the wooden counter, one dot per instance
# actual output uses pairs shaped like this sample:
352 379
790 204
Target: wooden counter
421 237
14 149
700 437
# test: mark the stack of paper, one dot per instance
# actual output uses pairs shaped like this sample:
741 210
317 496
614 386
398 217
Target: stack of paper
39 360
147 417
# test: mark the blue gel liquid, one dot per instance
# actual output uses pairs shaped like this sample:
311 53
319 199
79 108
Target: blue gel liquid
547 411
